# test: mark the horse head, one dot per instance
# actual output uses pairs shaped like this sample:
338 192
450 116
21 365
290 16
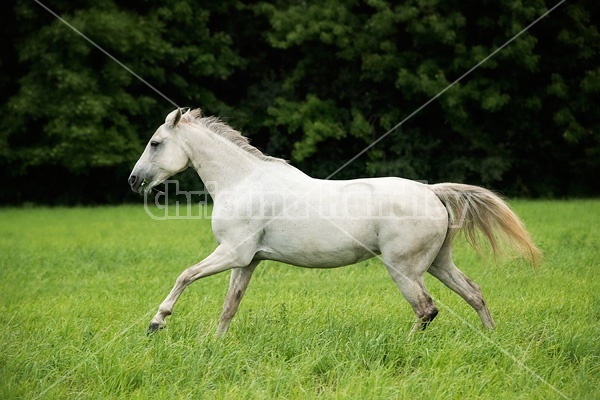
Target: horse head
162 158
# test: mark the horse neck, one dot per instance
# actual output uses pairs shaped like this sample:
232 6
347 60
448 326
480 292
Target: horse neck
220 163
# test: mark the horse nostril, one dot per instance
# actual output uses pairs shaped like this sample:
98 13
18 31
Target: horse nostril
132 180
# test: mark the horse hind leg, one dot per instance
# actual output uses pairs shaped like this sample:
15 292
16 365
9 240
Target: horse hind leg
444 269
409 280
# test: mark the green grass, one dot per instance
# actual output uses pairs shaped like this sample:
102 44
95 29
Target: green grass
78 288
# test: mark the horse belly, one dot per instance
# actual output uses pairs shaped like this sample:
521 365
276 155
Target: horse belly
328 244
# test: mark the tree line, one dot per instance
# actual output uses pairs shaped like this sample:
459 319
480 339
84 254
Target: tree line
314 82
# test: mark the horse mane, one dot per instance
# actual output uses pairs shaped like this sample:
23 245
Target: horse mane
215 125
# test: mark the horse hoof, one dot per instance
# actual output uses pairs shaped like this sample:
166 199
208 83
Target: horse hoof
154 327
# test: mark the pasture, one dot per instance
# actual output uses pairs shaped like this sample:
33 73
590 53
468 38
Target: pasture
79 286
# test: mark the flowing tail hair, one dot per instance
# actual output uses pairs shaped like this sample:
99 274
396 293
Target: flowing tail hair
473 209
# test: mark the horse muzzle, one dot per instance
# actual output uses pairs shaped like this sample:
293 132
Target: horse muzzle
136 183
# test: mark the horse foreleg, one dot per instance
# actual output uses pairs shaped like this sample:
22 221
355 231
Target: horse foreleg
220 260
240 277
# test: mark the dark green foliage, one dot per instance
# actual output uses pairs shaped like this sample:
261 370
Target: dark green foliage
314 82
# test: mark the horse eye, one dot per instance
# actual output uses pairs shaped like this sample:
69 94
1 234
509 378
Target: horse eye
154 143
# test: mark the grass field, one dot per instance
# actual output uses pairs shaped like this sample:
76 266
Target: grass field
78 288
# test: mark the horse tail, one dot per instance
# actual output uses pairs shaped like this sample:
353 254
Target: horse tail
473 209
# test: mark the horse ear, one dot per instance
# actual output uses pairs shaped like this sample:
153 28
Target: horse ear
173 118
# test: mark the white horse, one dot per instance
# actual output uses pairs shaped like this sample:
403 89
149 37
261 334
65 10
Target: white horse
265 209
